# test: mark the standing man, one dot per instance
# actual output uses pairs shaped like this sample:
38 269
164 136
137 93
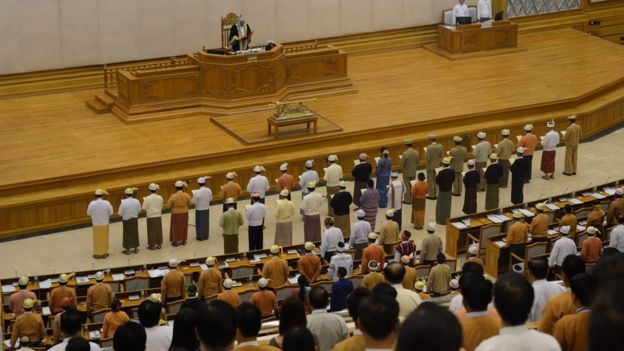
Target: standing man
331 237
433 154
460 10
311 208
16 299
431 245
389 233
230 221
384 167
458 157
100 295
332 176
517 235
258 183
310 264
373 252
444 180
340 259
211 280
359 233
518 177
369 203
471 181
528 142
395 195
276 268
240 35
152 205
493 175
361 174
230 189
409 165
484 10
562 248
179 203
100 211
549 151
504 150
201 199
129 210
616 207
340 204
481 154
172 285
285 181
309 175
284 212
255 219
571 138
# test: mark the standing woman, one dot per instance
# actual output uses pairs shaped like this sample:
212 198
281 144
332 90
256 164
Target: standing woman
419 196
384 166
179 203
369 203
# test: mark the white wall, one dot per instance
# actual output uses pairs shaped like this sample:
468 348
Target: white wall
47 34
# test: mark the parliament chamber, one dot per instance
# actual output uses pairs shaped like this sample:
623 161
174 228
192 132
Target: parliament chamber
165 104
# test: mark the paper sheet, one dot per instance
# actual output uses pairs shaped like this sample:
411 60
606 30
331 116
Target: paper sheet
118 277
458 225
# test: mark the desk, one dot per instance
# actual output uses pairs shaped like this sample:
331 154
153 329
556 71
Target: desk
476 37
277 123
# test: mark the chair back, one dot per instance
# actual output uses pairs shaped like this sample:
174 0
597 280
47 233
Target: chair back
115 286
452 263
136 283
356 280
551 216
473 13
422 271
174 307
226 23
535 249
580 238
98 316
246 296
352 253
327 285
447 17
242 271
582 212
488 231
283 292
106 343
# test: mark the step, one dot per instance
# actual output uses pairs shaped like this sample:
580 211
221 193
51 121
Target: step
97 106
104 99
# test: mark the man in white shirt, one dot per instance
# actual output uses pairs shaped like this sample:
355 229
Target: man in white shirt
460 10
543 290
329 328
481 153
158 337
331 237
340 259
332 176
395 197
311 208
255 220
129 210
616 239
308 176
513 298
484 10
408 300
359 233
563 247
100 211
549 151
201 199
258 183
71 326
152 205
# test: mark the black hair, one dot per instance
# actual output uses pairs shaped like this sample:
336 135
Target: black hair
342 272
115 305
216 324
184 330
430 327
298 338
582 286
513 298
319 297
149 313
248 319
441 257
378 315
71 321
354 299
370 183
476 291
78 344
130 337
292 314
567 208
470 266
421 176
572 265
538 268
384 288
303 284
394 273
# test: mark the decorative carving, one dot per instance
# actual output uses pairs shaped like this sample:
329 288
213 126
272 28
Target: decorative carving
519 8
291 110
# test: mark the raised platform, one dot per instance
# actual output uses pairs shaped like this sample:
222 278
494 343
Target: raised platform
59 151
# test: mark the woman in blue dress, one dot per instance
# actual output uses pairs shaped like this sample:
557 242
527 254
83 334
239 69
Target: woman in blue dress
384 167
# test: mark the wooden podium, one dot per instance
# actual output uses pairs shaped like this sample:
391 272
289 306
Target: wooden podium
223 84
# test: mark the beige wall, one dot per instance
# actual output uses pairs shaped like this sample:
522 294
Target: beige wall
47 34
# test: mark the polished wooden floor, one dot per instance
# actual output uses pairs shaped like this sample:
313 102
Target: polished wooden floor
56 137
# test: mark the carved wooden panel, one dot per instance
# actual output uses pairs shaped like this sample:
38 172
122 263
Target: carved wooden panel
158 88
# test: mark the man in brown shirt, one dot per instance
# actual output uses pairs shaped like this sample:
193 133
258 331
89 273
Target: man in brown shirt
528 142
477 325
230 189
285 181
310 264
28 324
504 150
517 235
411 276
431 245
276 269
571 138
210 281
439 276
100 295
571 330
373 277
179 203
616 207
569 219
16 300
389 233
539 224
372 252
229 295
265 300
591 250
172 285
59 293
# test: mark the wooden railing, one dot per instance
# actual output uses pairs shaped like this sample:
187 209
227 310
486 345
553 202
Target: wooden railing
110 72
301 48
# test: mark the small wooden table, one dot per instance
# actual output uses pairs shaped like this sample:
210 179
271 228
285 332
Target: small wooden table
282 122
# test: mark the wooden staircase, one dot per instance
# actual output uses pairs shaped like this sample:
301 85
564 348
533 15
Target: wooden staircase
101 103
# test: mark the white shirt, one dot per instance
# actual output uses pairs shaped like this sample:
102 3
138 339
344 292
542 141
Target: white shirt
312 203
305 178
333 174
563 247
153 204
255 214
359 233
63 345
201 198
329 328
481 151
158 338
617 238
457 303
339 260
408 300
550 141
519 338
396 191
129 208
460 11
100 211
330 239
484 9
544 292
258 184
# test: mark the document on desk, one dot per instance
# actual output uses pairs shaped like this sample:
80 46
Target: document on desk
494 218
45 284
260 256
552 232
82 280
156 273
294 280
610 191
458 225
8 288
203 267
118 277
527 213
45 310
598 196
552 207
500 243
